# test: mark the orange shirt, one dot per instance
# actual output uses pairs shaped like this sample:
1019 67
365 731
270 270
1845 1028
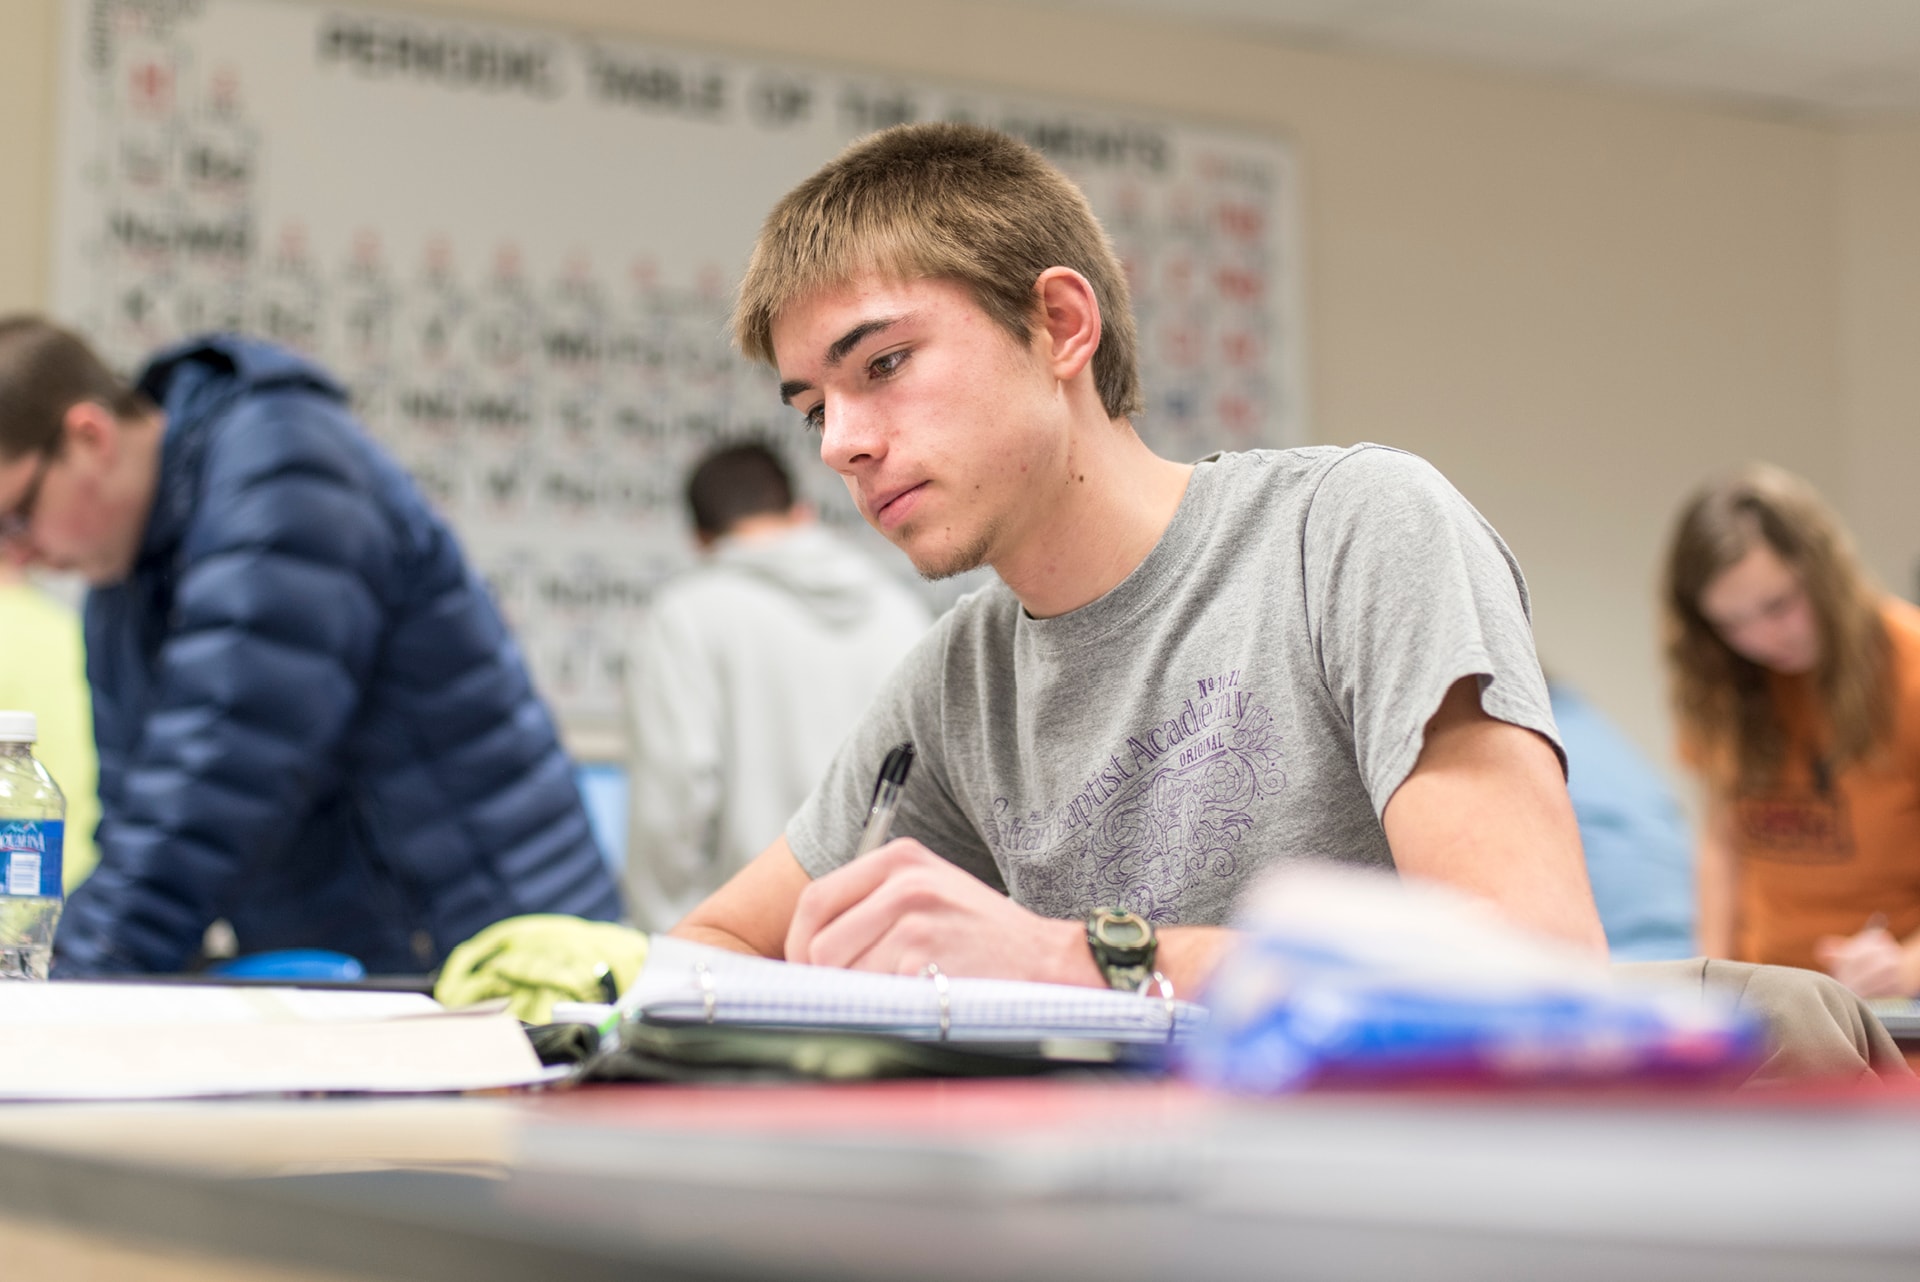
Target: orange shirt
1814 860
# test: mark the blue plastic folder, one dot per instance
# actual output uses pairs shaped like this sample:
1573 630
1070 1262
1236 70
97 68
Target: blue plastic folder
1345 978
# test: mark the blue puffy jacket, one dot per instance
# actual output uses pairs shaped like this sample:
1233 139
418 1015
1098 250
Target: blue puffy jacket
312 721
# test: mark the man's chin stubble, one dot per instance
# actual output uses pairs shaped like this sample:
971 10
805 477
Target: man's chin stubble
956 561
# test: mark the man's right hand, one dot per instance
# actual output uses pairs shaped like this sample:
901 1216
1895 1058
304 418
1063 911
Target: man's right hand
902 907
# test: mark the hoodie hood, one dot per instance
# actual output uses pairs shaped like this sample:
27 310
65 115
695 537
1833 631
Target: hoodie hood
195 383
830 577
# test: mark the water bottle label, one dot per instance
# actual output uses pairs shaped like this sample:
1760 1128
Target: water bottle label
31 851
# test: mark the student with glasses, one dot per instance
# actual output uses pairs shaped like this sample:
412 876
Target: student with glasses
311 720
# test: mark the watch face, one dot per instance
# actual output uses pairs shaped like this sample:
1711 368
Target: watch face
1123 937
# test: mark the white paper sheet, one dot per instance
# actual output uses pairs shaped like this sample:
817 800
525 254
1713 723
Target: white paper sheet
154 1041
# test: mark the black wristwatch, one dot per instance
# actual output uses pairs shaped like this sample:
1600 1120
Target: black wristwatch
1123 946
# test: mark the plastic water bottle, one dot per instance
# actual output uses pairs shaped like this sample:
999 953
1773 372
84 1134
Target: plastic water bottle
33 814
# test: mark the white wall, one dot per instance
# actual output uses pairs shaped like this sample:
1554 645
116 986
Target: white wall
1880 185
1576 302
26 150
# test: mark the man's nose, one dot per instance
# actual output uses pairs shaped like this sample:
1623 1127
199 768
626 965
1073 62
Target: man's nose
851 435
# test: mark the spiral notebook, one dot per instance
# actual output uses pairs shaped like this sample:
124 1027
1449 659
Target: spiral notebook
684 982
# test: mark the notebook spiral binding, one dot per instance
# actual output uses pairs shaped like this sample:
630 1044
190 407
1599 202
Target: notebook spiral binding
707 979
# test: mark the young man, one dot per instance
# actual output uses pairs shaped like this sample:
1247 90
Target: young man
1186 674
311 719
745 676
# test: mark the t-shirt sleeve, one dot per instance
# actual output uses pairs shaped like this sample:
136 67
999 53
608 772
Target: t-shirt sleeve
1408 590
908 709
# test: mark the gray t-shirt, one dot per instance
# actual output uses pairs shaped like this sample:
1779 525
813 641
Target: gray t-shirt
1253 692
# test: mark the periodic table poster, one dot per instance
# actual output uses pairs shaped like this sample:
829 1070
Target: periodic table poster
517 248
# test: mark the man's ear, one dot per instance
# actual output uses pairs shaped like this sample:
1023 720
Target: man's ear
1069 319
92 434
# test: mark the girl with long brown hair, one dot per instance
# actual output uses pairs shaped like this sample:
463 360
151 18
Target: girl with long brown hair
1796 684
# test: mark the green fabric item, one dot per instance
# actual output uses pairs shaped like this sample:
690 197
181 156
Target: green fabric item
539 959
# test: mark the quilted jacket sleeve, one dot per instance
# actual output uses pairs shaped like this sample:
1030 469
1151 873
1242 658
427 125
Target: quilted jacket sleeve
282 584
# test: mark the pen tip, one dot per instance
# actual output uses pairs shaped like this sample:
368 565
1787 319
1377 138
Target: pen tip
899 760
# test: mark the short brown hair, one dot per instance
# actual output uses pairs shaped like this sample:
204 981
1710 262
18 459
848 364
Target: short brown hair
735 482
44 372
1723 700
942 201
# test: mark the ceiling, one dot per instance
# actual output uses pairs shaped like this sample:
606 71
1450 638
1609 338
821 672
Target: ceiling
1843 60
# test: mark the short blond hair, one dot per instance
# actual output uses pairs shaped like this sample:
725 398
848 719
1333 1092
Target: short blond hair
942 201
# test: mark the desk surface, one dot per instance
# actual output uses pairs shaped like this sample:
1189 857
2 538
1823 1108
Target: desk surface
982 1180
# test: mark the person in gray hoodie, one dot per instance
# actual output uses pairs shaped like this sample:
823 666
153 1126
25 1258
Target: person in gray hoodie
745 676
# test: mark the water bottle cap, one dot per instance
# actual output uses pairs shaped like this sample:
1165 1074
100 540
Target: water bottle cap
19 727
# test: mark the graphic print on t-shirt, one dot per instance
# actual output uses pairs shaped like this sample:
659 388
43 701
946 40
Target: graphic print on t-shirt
1795 827
1160 815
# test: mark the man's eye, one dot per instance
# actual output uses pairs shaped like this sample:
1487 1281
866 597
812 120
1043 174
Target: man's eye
888 364
816 418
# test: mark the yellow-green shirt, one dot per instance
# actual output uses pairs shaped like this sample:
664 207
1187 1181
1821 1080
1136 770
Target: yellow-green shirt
43 670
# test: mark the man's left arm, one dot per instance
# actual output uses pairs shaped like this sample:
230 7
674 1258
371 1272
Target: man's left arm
1485 809
1419 614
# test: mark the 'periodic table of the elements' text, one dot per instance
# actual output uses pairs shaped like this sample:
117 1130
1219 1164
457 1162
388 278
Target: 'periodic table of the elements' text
516 247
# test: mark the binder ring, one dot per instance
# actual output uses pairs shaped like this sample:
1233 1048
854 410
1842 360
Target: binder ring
708 1000
1165 985
932 971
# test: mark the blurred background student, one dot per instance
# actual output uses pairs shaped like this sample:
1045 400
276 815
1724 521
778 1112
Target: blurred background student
1796 683
1639 852
310 719
744 677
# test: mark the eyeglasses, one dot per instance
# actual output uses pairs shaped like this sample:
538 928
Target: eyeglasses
14 524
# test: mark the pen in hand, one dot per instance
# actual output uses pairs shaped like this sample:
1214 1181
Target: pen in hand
886 798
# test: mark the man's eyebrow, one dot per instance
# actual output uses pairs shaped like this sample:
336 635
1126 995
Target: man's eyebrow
853 337
837 352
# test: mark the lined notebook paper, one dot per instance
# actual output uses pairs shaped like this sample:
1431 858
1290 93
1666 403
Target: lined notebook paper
693 983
